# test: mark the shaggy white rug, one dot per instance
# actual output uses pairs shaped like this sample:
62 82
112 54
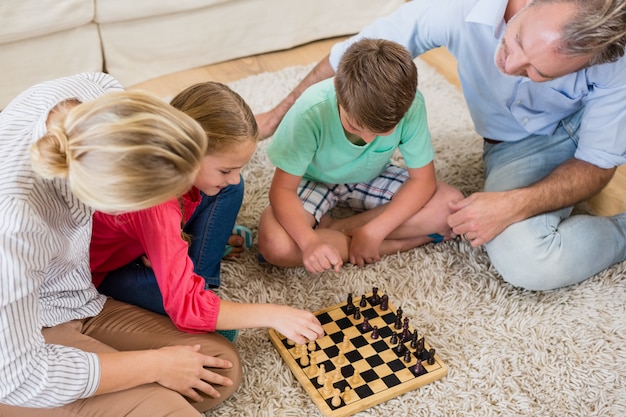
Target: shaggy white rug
509 352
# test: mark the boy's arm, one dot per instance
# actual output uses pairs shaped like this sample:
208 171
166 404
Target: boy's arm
299 224
410 198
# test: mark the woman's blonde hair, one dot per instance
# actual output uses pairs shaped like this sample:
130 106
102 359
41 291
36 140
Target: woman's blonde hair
225 117
124 151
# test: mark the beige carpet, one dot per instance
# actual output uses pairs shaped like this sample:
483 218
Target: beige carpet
509 352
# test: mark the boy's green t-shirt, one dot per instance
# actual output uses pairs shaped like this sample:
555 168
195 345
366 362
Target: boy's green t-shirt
310 141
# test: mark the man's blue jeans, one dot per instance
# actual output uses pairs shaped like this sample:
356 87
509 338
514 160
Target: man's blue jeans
210 226
554 249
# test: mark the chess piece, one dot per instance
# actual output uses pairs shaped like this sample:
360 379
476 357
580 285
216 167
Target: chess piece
398 324
363 302
345 345
365 326
375 332
418 369
355 379
348 395
400 349
350 304
304 359
337 376
327 389
336 400
297 351
414 340
357 313
407 356
321 375
290 342
420 346
311 345
384 302
375 297
313 369
394 338
431 356
340 359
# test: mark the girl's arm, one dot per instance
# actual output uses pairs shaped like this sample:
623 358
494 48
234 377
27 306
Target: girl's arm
295 324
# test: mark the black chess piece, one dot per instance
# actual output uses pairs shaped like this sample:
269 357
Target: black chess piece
350 304
420 346
414 340
363 302
431 356
384 302
375 332
375 297
394 338
418 368
400 349
407 356
365 326
398 324
357 313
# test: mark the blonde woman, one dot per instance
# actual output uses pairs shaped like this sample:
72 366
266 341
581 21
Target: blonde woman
70 146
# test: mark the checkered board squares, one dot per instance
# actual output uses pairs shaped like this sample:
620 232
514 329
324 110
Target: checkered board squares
360 371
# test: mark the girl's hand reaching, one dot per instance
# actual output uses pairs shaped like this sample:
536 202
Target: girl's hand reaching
301 326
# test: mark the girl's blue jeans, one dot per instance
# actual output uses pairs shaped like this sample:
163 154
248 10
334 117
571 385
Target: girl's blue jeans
210 226
554 249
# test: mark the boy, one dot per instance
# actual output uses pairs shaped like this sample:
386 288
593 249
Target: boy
334 146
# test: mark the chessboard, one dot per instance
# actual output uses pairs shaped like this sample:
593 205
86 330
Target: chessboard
368 355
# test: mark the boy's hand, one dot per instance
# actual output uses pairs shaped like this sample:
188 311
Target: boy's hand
297 325
364 247
320 256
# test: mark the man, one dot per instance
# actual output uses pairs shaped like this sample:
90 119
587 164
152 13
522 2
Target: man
545 82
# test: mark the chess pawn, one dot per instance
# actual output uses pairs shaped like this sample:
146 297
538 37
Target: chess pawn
337 376
311 345
341 359
313 369
384 302
297 351
290 342
355 379
304 359
327 389
431 356
336 400
363 302
321 376
347 395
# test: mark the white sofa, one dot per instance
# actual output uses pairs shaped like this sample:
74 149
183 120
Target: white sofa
136 40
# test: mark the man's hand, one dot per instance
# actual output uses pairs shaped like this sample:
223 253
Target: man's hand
482 216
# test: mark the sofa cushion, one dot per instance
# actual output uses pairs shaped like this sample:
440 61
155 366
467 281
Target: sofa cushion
141 49
26 19
109 11
31 61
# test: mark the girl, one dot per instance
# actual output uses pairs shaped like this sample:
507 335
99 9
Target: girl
183 239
